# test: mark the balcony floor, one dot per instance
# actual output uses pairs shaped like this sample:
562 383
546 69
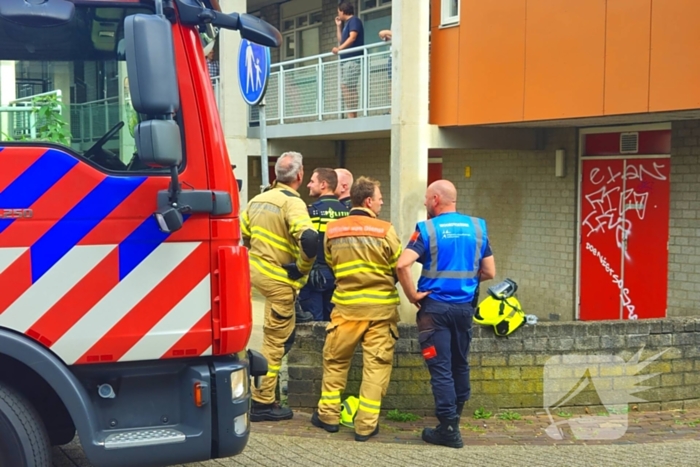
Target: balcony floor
352 128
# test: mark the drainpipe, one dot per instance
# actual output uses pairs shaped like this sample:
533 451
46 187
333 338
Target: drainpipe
340 153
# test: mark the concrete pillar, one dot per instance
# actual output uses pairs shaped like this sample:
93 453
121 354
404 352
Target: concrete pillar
8 93
410 131
234 111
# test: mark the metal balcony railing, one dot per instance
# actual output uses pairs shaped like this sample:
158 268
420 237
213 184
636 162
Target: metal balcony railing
309 89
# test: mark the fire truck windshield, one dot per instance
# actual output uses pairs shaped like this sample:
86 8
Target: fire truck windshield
68 85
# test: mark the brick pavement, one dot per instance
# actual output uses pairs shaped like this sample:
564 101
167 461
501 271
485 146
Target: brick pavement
660 438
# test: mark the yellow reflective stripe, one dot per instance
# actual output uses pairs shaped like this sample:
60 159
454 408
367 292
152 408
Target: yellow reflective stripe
297 225
355 267
328 257
272 371
245 224
366 296
330 397
368 405
274 272
393 261
274 240
322 228
304 264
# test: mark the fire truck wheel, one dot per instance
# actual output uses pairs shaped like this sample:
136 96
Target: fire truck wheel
23 438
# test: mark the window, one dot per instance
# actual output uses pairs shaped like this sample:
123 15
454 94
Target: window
375 16
301 35
71 88
449 12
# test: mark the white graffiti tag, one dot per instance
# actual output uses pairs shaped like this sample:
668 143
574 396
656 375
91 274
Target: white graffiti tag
617 280
609 204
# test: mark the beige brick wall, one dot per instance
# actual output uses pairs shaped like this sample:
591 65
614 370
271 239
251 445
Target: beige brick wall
371 158
684 241
530 215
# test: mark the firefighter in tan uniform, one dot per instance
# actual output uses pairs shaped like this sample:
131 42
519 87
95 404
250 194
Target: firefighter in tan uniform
283 243
362 251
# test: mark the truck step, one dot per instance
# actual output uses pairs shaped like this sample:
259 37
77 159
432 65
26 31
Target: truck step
148 437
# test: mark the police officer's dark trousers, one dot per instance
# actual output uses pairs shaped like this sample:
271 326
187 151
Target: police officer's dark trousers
444 333
318 301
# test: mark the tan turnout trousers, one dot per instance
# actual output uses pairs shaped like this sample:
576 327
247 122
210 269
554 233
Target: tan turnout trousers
278 331
378 340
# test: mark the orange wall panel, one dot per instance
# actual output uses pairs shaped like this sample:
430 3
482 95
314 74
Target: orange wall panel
565 58
491 61
674 80
444 55
628 35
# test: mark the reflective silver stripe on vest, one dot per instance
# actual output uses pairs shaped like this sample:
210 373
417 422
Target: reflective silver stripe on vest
433 272
479 242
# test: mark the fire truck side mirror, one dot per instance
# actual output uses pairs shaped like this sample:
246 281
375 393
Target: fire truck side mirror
158 143
251 27
150 64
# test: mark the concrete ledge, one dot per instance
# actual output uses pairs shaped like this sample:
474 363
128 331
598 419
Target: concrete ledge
509 373
347 128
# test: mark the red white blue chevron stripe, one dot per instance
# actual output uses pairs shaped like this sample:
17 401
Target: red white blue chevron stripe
89 274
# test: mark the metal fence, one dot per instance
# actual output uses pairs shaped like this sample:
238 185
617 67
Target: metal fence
22 119
311 88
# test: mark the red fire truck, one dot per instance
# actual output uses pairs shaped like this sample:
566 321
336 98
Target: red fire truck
125 300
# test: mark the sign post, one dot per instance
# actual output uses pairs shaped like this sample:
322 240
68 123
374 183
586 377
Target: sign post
253 76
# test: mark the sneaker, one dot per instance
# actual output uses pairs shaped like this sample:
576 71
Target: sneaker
363 438
269 412
315 421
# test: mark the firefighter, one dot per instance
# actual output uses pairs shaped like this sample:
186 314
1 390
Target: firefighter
362 251
315 296
455 253
342 191
283 244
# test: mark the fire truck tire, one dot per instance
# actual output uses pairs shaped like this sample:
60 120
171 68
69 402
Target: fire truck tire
24 441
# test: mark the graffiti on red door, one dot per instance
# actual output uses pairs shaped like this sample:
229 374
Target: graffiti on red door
624 216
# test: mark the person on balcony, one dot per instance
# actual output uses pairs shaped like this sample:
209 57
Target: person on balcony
351 34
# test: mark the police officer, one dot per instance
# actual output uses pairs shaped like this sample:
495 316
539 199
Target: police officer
362 251
455 253
283 243
315 296
342 191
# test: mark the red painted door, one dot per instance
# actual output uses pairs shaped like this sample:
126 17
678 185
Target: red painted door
434 170
624 238
647 191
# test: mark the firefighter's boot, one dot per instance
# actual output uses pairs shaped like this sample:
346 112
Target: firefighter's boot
315 421
445 434
269 412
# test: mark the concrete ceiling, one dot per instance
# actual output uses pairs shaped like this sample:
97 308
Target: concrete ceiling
255 5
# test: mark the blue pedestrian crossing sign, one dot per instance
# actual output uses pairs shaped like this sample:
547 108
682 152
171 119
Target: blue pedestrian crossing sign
253 71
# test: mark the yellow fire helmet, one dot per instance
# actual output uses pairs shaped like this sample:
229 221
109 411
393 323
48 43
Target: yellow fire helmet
501 309
348 410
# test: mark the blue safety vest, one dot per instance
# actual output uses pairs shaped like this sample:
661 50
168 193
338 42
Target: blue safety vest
455 245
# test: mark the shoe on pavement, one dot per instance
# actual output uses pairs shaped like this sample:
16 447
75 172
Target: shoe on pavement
363 438
445 434
317 422
304 317
269 412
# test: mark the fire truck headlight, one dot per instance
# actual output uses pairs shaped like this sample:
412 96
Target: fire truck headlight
239 384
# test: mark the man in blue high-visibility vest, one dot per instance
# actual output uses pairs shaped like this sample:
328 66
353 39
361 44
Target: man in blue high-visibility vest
455 253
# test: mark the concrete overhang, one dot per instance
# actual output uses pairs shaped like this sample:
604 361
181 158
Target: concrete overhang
342 129
485 138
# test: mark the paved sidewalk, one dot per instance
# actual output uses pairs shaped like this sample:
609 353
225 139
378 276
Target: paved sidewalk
652 438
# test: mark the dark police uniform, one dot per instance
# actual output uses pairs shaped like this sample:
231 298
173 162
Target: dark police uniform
450 248
317 301
347 202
